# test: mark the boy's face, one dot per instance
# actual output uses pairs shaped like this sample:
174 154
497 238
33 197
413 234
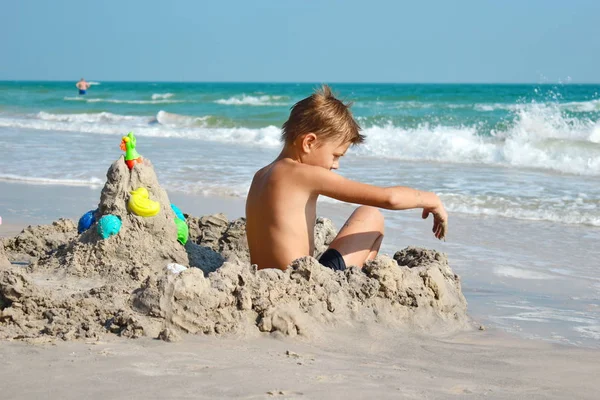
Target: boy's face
326 154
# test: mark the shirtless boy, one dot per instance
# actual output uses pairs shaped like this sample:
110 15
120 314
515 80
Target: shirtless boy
282 202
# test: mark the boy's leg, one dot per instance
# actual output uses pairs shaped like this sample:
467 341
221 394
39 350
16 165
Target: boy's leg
360 237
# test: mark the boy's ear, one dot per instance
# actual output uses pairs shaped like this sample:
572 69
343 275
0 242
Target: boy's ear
309 141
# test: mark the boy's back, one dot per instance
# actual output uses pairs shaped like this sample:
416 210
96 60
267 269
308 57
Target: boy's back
280 216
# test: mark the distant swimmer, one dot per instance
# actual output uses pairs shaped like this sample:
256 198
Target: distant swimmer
82 85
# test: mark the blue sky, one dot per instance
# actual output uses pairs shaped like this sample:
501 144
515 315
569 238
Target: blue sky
302 41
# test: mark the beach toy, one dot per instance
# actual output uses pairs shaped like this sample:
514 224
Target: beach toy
109 225
88 219
177 212
131 155
176 268
141 205
183 231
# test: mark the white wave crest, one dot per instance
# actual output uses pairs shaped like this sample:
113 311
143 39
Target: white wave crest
171 119
162 96
542 137
582 106
267 136
92 83
484 107
575 106
433 143
595 135
103 117
487 107
245 100
519 273
567 211
120 101
591 331
539 137
91 182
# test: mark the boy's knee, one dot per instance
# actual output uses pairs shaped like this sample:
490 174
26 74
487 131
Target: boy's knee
372 214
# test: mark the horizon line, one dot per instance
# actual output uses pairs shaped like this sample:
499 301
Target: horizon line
311 82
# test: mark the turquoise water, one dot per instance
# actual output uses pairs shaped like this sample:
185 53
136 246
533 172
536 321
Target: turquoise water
518 151
491 108
518 165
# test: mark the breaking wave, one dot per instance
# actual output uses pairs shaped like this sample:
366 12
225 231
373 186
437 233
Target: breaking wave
540 137
245 100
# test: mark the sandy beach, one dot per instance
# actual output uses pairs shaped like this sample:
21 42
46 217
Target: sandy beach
352 363
352 359
131 138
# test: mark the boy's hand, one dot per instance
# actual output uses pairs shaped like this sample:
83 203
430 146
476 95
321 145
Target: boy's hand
440 220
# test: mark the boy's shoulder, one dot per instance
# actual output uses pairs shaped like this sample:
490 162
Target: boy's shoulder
285 165
293 169
286 170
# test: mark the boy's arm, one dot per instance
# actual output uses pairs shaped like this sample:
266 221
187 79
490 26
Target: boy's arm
330 184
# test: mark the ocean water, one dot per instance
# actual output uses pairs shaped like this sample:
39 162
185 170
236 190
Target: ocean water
525 158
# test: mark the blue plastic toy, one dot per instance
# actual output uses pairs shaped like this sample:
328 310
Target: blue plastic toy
177 212
109 225
88 219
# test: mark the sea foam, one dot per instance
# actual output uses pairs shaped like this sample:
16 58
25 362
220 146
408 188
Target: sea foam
247 100
539 136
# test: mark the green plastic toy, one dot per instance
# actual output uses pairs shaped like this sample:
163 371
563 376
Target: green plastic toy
183 231
132 157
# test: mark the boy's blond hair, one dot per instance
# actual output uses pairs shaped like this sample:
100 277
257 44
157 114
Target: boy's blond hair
325 116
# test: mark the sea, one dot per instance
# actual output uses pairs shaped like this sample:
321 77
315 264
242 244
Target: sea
516 165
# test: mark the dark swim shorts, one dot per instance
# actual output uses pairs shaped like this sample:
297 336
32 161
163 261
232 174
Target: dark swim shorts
333 259
81 91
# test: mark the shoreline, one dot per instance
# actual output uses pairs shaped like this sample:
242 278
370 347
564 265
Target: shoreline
27 204
495 294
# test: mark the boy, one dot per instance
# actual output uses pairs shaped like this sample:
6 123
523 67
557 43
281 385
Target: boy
282 201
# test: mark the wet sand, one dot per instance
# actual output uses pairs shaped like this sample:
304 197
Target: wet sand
359 363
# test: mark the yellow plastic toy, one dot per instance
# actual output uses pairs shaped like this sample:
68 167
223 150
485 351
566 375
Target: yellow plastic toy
140 204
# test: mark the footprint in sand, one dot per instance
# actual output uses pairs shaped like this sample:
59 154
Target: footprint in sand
284 393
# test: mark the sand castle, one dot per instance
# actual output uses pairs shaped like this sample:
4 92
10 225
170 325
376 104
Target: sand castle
150 270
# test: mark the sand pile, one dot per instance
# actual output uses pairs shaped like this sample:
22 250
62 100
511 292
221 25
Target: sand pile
143 245
4 262
37 241
238 298
84 286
